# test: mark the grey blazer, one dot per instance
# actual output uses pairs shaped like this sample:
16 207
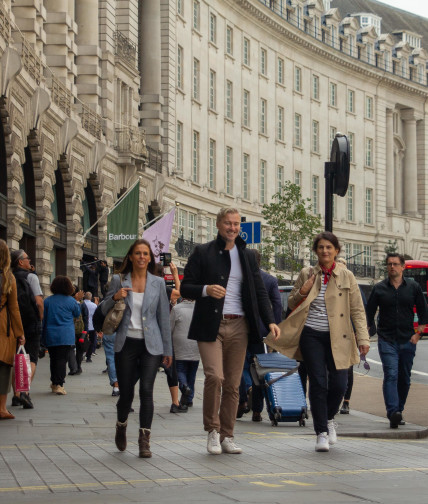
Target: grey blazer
155 314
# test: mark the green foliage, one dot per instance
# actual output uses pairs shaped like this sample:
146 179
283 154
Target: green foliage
292 223
390 248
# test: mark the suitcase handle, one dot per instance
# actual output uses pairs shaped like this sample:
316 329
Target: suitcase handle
274 380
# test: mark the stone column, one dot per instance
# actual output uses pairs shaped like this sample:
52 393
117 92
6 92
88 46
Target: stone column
390 179
57 37
88 68
149 55
410 172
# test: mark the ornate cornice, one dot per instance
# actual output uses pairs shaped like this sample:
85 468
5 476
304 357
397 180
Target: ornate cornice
317 49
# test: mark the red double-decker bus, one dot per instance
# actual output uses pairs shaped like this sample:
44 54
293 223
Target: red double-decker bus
418 271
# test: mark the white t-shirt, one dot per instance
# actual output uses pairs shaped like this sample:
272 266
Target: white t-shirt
33 282
135 329
233 298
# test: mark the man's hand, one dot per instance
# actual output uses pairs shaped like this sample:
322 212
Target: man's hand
275 330
415 338
216 291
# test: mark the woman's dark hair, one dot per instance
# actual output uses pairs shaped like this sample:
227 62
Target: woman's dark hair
62 285
126 265
329 236
158 270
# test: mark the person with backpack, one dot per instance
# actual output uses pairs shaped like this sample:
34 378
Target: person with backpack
30 301
75 355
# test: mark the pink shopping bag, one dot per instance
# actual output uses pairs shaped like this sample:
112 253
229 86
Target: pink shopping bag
22 370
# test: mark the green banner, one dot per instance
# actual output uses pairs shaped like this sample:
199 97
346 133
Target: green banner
122 224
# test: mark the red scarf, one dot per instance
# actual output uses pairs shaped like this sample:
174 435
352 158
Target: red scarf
327 272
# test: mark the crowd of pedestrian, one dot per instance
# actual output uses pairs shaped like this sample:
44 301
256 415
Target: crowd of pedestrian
223 312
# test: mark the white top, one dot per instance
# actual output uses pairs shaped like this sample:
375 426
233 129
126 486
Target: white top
91 310
317 317
33 282
136 322
233 298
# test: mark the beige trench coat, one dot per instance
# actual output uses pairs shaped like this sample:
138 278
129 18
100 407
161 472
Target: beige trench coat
343 301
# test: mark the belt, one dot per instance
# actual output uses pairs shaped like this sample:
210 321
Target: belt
230 316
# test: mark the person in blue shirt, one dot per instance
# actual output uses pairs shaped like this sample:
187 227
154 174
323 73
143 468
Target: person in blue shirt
58 335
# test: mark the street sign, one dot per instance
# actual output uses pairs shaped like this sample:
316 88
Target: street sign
251 232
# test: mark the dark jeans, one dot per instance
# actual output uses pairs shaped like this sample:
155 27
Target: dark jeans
92 344
327 384
350 384
75 356
186 372
132 360
397 363
247 381
58 363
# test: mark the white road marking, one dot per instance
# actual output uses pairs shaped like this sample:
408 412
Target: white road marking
421 373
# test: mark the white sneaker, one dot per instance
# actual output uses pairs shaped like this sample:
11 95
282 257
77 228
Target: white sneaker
213 444
332 434
322 442
228 446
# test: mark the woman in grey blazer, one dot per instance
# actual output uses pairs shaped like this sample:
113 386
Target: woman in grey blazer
143 339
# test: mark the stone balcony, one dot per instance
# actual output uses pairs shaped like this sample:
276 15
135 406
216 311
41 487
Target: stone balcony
130 141
125 49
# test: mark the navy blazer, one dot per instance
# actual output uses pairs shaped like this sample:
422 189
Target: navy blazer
210 264
271 284
155 314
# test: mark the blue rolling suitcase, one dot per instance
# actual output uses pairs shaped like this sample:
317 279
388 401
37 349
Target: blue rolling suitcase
283 391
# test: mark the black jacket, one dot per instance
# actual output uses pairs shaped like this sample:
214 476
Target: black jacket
210 264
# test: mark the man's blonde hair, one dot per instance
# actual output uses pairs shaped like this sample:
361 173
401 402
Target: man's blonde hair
224 211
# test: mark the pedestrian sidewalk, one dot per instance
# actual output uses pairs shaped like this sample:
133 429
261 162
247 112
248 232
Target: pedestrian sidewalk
66 444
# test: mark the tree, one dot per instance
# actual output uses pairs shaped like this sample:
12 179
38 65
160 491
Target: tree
390 248
293 226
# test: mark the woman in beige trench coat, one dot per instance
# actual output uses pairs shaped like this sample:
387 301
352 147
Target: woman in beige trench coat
319 331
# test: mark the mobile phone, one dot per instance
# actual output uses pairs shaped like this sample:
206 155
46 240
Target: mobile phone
165 258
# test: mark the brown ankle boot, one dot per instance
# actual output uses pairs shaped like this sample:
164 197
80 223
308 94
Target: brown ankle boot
120 438
144 443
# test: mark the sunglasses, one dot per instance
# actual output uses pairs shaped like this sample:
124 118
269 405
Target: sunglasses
365 363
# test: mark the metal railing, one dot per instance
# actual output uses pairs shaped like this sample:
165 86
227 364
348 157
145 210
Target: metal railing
131 140
284 264
362 270
125 49
4 23
154 159
91 121
62 96
32 63
184 247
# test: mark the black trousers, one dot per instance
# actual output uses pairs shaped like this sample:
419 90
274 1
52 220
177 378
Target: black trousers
350 384
134 359
58 363
327 384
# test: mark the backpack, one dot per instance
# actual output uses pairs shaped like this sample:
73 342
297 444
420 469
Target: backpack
79 325
98 319
28 309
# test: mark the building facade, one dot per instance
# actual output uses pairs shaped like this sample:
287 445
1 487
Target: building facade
254 92
71 139
210 104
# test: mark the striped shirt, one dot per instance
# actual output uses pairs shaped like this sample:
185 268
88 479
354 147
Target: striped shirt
317 316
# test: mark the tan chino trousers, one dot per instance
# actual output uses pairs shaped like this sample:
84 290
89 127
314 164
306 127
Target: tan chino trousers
223 362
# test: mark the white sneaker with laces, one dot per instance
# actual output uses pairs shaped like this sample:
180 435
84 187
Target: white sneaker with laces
332 434
228 446
213 444
322 442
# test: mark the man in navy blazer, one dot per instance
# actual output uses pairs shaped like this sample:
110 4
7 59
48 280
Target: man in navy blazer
224 279
271 284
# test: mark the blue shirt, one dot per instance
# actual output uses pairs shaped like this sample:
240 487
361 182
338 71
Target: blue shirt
58 320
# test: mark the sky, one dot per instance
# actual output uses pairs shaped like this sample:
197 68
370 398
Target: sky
419 7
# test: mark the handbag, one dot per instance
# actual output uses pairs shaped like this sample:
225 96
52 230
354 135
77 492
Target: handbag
114 317
22 370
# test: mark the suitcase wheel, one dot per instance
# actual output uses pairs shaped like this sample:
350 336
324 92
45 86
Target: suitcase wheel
302 421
